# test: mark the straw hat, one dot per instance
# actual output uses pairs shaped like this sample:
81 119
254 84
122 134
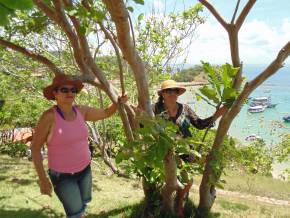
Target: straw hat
171 84
58 81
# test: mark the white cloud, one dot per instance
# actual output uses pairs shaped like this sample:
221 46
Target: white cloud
258 42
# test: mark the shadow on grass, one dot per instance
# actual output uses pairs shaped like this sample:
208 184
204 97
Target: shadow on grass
136 211
27 213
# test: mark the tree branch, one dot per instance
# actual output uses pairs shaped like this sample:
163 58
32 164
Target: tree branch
63 22
272 68
215 13
37 57
108 36
244 13
45 8
119 15
235 13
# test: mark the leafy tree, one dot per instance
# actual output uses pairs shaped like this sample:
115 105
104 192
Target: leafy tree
76 21
188 75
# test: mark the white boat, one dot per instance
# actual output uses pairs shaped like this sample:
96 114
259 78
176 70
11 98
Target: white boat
256 109
252 137
262 101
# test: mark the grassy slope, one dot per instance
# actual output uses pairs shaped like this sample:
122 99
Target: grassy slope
117 197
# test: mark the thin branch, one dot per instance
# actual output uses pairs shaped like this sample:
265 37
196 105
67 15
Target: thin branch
117 54
119 15
235 13
63 22
272 68
132 30
45 8
215 13
244 13
37 57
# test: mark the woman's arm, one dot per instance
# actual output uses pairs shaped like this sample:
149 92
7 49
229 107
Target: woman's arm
39 138
207 122
221 111
94 114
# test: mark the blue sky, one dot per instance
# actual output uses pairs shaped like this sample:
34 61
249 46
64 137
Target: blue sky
264 32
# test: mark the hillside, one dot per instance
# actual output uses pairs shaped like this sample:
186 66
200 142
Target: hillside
119 197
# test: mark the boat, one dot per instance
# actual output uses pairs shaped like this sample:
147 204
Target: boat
252 137
262 101
256 109
286 118
271 105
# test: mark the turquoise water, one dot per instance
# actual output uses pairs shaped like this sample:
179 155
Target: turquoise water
269 124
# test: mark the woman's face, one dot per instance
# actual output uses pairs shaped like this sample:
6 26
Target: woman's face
65 94
170 95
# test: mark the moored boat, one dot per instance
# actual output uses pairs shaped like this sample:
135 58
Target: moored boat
286 118
252 137
256 109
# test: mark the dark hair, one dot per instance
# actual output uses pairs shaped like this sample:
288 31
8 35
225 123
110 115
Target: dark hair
160 101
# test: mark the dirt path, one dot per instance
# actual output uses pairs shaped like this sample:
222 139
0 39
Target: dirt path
250 197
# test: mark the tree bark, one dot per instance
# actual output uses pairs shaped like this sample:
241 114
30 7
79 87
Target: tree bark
119 15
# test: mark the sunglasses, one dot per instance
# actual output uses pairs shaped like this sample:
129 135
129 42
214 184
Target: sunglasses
171 90
73 90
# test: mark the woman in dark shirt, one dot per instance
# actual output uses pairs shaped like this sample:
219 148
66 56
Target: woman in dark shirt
180 114
183 116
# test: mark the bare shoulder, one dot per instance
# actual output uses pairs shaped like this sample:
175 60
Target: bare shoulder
82 109
47 116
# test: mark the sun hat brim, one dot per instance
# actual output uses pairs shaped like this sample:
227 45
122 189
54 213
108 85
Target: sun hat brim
58 81
171 84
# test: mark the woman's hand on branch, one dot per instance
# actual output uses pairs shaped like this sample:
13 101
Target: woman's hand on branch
123 99
220 112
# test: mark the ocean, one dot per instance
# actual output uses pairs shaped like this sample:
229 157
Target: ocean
269 124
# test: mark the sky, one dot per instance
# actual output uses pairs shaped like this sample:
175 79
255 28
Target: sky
264 32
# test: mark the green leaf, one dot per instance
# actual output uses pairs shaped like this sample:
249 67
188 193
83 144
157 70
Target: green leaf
98 15
231 71
72 12
226 78
212 74
17 4
83 30
209 93
141 2
229 93
4 12
140 17
131 9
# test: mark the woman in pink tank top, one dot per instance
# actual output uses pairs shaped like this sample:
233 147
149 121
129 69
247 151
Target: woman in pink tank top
63 129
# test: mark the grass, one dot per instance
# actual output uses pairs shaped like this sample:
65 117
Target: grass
255 185
115 197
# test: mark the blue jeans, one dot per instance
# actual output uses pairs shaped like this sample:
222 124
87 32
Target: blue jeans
73 190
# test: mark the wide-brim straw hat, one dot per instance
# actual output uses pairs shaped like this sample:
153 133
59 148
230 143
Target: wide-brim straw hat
171 84
60 80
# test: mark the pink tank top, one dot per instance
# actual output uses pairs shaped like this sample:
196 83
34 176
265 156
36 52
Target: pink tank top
68 149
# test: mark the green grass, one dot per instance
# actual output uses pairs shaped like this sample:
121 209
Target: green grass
112 196
255 185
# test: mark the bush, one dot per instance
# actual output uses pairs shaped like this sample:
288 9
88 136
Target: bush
17 149
256 158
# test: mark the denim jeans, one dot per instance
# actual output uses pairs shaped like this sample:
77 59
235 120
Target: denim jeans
73 190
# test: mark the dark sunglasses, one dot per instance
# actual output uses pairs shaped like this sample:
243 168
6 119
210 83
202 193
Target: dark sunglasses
171 90
67 90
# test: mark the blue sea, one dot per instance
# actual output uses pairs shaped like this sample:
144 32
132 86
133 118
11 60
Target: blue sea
269 124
